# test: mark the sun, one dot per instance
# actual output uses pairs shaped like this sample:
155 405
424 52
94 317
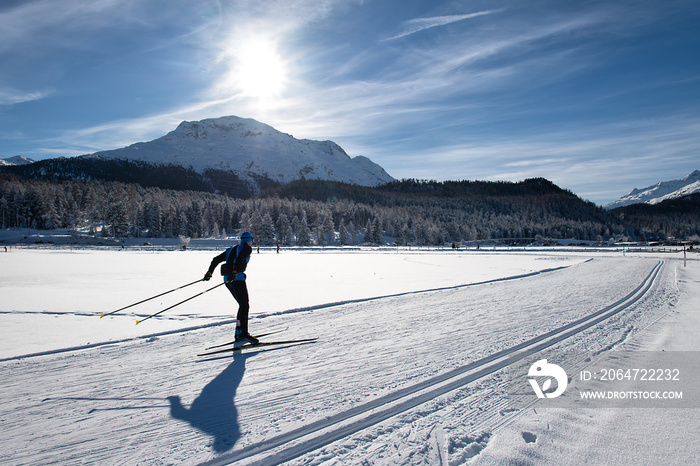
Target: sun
259 71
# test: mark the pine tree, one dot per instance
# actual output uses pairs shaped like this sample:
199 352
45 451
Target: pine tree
284 229
327 229
194 228
369 235
342 233
377 231
352 233
255 225
267 230
154 220
303 232
118 219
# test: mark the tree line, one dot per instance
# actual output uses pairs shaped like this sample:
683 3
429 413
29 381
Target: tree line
673 218
306 212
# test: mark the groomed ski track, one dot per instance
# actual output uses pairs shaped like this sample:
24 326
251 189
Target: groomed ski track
341 425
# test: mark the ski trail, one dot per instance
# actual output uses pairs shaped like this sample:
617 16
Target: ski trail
343 424
418 292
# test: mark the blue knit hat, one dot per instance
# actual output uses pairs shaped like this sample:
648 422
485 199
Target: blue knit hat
246 236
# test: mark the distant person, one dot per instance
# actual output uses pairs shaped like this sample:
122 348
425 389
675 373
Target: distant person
235 261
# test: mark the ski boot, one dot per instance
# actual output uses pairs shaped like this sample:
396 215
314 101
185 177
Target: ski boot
246 338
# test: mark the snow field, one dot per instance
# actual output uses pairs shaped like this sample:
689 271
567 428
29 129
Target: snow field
146 399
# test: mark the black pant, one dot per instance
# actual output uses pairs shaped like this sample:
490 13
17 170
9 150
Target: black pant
239 290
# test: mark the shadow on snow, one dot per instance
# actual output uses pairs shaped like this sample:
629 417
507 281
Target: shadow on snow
213 411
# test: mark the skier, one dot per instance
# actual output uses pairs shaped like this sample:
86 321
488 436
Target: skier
235 261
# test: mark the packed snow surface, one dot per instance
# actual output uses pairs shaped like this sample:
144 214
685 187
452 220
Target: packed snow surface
387 382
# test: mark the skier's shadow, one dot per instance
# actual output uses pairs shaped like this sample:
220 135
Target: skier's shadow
213 411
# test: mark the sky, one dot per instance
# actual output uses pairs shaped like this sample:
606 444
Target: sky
597 96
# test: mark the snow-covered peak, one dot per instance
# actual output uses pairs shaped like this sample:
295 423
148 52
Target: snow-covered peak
252 149
16 160
660 192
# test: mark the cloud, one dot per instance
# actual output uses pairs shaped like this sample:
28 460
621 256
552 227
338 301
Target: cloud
421 24
618 157
120 133
47 24
14 96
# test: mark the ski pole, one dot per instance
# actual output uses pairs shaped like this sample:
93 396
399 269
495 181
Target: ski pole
181 302
148 299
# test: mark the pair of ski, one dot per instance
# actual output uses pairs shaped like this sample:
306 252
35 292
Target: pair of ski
262 344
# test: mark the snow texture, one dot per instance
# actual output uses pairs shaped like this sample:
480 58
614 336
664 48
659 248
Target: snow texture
250 148
660 192
410 366
16 160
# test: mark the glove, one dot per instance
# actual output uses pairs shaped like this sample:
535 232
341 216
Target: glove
207 276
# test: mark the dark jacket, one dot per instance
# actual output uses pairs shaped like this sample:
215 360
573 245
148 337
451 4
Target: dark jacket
236 259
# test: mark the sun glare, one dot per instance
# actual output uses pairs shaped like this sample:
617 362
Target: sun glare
260 71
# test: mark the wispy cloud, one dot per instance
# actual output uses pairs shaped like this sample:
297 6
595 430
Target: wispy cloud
619 157
438 82
121 133
14 96
46 24
421 24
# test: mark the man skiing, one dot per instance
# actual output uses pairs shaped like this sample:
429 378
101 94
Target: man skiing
235 261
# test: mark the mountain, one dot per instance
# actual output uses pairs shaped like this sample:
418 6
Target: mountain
16 160
252 151
660 192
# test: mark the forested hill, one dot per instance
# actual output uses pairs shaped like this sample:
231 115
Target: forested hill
166 176
538 196
412 188
313 212
678 218
469 210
